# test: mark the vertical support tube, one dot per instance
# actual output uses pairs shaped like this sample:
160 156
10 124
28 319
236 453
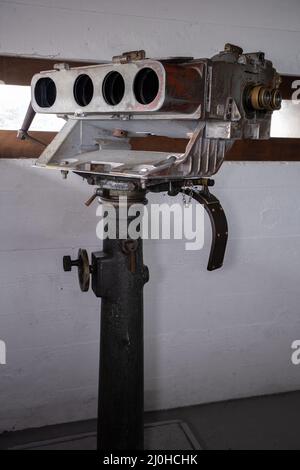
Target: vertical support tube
121 377
30 115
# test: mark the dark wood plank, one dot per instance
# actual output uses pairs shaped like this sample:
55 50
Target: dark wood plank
243 150
247 150
273 150
20 70
11 147
286 86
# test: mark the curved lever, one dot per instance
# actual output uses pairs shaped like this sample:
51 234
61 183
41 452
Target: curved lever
215 211
219 225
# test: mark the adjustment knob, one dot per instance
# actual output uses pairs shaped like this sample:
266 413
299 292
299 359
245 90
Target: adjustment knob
82 263
68 263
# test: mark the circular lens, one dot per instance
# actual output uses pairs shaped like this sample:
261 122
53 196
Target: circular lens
83 90
146 86
113 88
276 99
45 92
265 98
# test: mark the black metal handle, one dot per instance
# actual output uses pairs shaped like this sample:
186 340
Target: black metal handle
218 222
68 263
214 209
84 269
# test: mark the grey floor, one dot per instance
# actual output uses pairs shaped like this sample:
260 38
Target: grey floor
164 435
270 422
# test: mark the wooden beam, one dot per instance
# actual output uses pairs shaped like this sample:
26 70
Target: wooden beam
244 150
20 70
273 150
11 147
287 89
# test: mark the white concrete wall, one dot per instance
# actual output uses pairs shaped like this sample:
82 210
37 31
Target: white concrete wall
209 336
93 29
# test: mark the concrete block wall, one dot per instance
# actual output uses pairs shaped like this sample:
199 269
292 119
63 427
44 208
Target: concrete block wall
208 336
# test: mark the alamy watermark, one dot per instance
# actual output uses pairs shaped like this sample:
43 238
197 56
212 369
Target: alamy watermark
2 353
156 221
296 93
296 354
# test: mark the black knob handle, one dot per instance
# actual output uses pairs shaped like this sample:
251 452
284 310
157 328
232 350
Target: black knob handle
68 263
83 265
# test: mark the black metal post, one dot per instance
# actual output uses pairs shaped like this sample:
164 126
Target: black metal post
120 278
